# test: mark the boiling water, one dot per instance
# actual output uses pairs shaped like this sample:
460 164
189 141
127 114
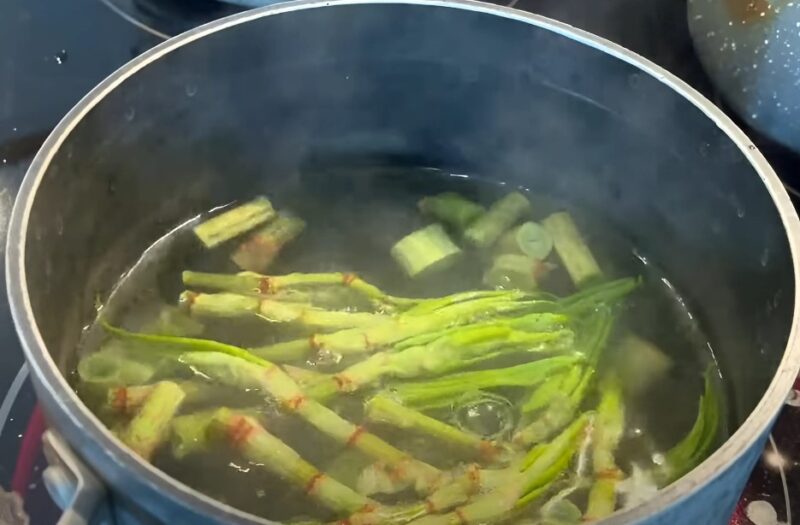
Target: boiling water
354 216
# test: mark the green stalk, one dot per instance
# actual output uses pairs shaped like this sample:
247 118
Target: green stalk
249 438
444 390
605 294
234 222
225 305
381 409
426 306
400 327
556 415
697 444
129 399
451 209
227 369
607 433
253 283
460 349
425 252
149 427
572 249
535 322
260 249
544 395
519 488
230 305
184 344
172 320
501 216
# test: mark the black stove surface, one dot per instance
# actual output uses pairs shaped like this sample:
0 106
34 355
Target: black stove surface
53 52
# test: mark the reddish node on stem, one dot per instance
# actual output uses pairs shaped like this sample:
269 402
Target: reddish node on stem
348 278
461 517
354 437
313 482
294 403
343 383
120 399
265 286
474 477
239 431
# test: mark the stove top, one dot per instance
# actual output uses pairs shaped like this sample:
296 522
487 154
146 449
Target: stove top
52 53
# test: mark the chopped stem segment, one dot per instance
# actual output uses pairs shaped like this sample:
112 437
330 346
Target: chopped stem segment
425 251
572 249
452 209
234 222
149 427
262 246
501 216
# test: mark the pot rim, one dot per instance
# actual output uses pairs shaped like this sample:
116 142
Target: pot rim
75 418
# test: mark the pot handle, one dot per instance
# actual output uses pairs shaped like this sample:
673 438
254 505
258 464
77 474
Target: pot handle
73 487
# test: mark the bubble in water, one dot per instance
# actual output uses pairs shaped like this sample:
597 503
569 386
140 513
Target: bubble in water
61 56
740 213
191 90
487 416
327 358
130 114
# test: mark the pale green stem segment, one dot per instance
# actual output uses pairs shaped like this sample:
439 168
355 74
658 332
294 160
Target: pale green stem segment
501 216
451 209
234 222
425 252
261 247
572 249
697 444
150 426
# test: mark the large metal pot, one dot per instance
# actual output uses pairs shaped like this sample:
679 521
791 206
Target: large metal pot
456 84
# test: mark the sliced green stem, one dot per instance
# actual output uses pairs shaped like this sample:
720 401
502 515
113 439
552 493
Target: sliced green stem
261 247
501 216
425 251
150 426
572 249
451 209
234 222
